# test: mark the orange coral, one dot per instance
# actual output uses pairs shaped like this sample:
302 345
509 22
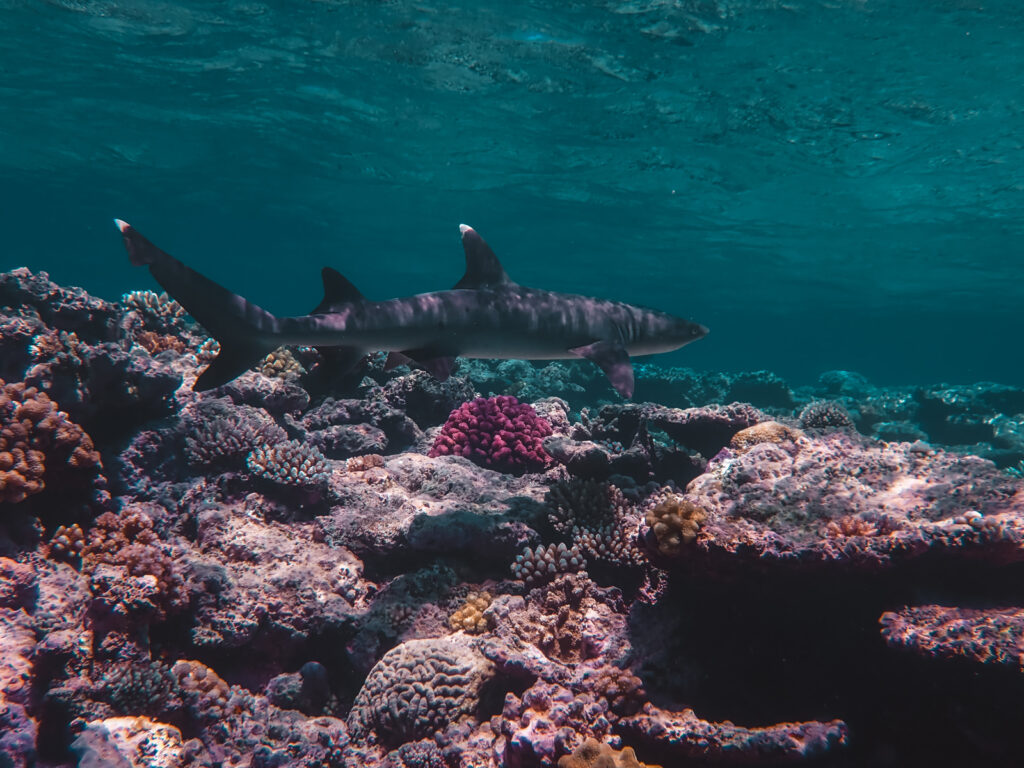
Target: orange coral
675 522
470 615
37 439
594 754
155 343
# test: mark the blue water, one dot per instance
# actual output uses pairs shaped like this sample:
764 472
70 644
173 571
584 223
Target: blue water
825 184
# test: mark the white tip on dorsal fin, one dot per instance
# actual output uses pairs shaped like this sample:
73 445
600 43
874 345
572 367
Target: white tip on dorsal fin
482 266
122 225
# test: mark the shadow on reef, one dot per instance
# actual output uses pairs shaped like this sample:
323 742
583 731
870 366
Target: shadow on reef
807 647
388 570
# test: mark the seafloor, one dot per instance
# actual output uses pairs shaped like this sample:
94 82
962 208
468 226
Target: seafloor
302 569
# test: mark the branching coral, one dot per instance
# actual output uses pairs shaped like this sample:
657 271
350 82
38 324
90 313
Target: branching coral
281 364
675 522
37 441
470 617
158 310
291 463
495 432
220 434
598 519
536 566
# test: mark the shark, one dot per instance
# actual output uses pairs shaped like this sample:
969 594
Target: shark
484 315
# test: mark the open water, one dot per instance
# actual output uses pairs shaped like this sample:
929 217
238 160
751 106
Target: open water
825 184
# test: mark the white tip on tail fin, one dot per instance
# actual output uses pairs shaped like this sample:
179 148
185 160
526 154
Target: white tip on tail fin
464 228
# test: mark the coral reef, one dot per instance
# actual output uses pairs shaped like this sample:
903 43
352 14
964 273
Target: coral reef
525 580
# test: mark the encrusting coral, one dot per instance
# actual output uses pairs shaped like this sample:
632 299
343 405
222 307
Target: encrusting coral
594 754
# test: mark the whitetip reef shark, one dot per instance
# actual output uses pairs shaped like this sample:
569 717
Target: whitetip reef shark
485 315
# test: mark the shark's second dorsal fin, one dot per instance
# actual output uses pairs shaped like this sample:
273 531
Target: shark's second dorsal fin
482 266
337 290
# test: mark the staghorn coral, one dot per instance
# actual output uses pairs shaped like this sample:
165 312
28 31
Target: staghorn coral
219 434
674 521
495 432
594 754
470 617
291 463
38 442
825 414
418 688
535 566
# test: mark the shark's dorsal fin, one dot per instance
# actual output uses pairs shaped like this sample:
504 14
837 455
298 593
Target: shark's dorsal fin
338 289
482 266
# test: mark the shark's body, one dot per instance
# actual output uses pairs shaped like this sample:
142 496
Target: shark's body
485 315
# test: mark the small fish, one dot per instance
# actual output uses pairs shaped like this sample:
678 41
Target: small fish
484 315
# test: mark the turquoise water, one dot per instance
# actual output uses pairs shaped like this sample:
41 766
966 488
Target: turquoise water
824 184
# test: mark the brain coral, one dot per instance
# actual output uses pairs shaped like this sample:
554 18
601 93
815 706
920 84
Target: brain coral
495 432
418 688
36 441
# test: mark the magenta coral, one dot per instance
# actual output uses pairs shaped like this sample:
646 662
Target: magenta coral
495 432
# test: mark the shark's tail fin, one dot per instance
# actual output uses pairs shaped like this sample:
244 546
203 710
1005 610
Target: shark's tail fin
245 331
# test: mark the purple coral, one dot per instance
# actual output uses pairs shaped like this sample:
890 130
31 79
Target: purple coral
496 432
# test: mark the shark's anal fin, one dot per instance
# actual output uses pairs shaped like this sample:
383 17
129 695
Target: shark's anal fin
613 359
337 290
437 363
482 266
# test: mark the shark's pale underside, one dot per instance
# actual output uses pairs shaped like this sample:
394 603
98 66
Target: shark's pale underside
485 315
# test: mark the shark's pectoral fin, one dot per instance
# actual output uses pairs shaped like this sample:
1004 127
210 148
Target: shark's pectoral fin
396 359
613 359
435 362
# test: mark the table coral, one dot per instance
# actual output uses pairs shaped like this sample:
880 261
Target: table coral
497 432
38 442
982 635
840 497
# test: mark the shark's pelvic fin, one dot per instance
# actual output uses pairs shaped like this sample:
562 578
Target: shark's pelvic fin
482 266
243 329
613 359
338 289
435 361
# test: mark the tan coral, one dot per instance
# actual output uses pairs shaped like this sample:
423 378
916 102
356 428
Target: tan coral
364 462
470 617
594 754
676 521
37 438
764 432
281 364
